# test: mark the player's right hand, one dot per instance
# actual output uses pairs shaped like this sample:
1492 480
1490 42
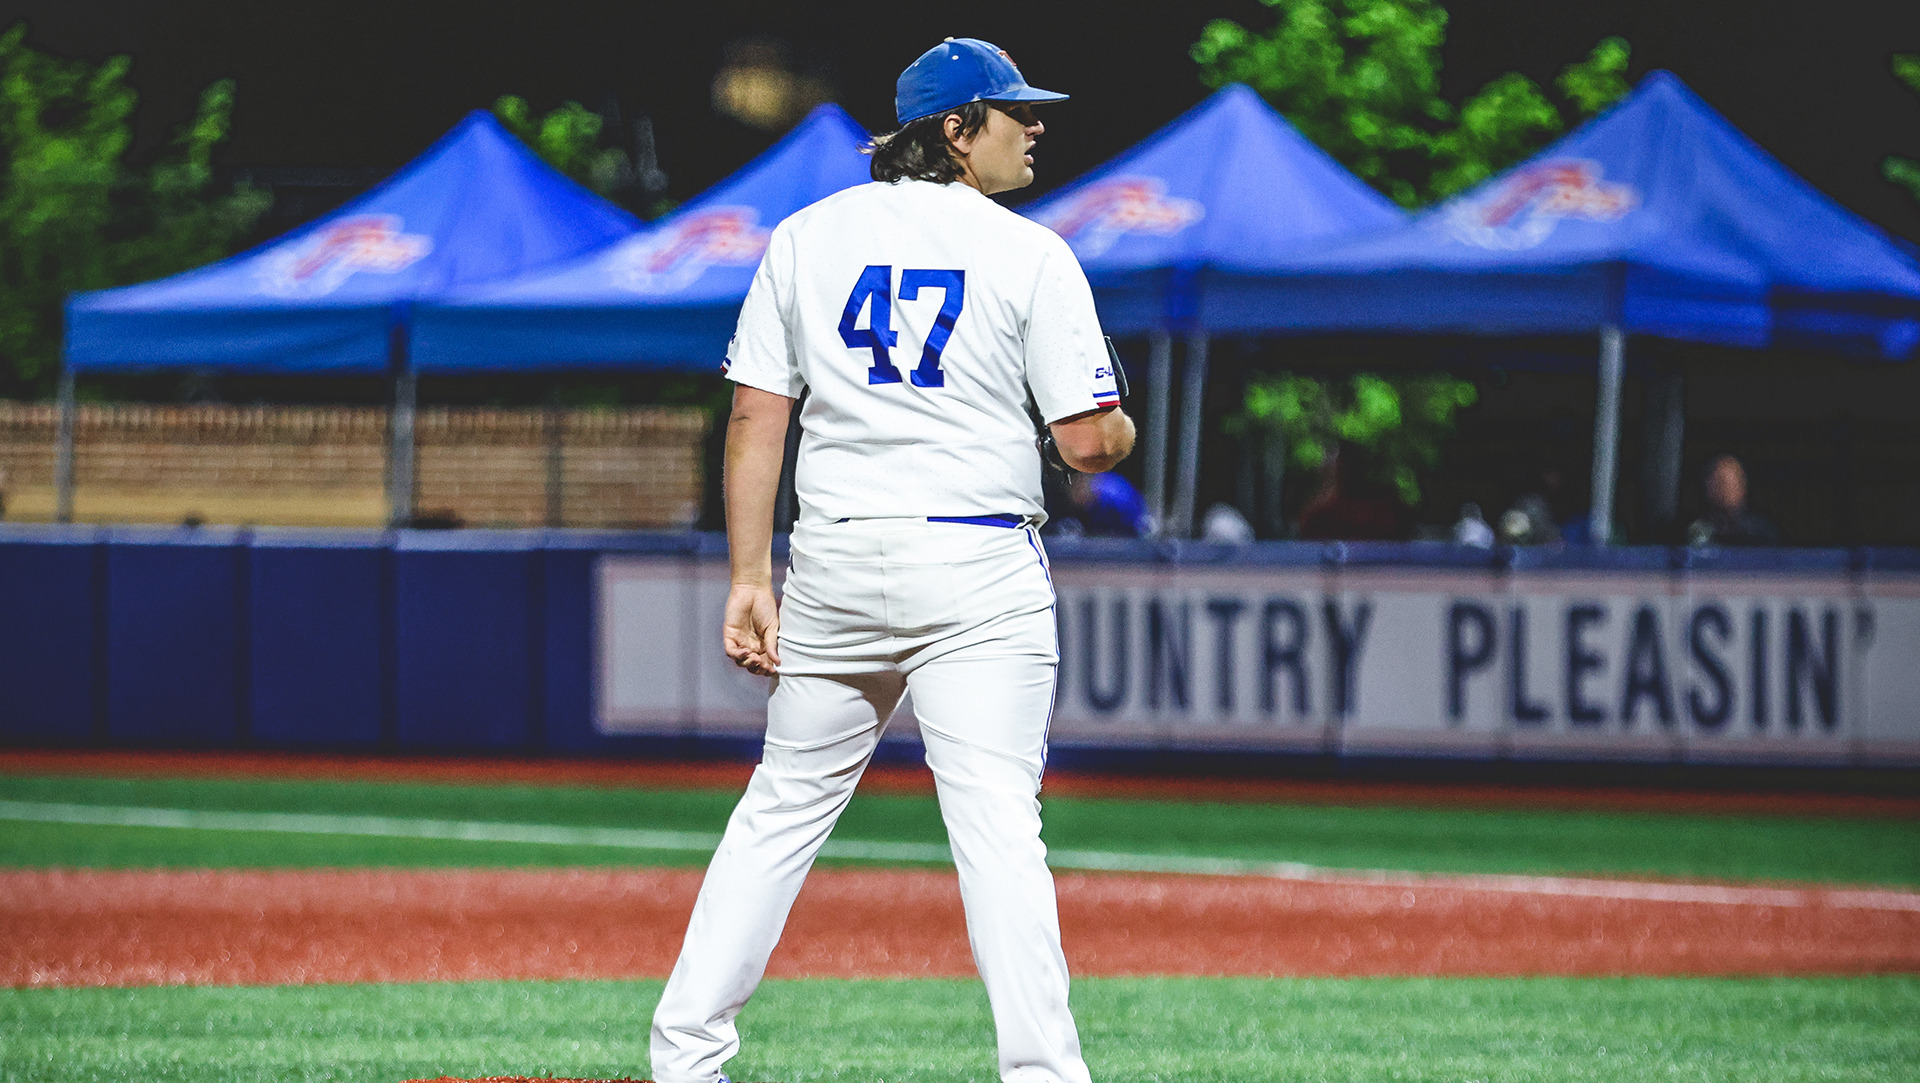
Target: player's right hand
750 633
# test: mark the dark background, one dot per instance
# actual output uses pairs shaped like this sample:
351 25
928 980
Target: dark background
349 83
342 92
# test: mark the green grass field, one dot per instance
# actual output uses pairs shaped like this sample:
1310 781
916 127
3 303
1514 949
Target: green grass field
1629 1030
1549 1030
1813 849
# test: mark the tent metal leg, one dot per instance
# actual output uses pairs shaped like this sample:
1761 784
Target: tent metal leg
1666 429
555 424
400 459
63 450
1606 432
1192 398
1272 504
1159 418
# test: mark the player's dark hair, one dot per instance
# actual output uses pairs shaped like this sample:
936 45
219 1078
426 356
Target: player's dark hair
921 151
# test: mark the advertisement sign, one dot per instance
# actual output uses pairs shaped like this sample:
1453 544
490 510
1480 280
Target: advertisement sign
1641 665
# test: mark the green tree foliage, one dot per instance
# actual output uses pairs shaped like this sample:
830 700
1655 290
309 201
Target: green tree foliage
568 139
76 214
1361 78
1905 172
1402 421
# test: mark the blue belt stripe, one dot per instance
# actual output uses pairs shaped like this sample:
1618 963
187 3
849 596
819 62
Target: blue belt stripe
974 520
978 520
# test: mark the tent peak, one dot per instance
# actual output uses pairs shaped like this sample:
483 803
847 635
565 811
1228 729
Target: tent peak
1238 97
831 113
1663 83
830 109
475 123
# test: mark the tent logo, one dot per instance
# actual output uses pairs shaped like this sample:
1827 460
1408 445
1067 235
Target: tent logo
1093 220
672 258
1523 210
320 264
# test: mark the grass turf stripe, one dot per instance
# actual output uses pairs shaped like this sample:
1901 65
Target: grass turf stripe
1619 845
1143 1030
310 823
870 850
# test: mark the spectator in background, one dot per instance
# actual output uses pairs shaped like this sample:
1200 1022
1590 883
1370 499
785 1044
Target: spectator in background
1472 529
1349 507
1224 523
1529 522
1533 518
1728 520
1542 517
1105 505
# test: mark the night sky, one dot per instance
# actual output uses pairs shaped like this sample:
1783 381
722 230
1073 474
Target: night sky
359 84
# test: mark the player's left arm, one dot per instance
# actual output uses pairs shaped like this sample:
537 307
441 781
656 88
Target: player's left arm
756 450
1072 371
1095 441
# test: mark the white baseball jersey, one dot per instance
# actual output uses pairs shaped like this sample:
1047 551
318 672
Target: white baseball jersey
920 316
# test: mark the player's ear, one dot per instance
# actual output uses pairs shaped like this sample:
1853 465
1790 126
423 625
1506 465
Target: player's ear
954 125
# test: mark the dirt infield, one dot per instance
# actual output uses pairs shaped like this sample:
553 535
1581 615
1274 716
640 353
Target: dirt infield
87 928
917 779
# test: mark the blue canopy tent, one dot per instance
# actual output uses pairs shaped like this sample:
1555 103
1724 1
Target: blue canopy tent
336 295
1229 178
666 297
1658 217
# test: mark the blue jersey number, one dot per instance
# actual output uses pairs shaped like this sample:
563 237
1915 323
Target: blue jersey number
876 283
874 292
954 285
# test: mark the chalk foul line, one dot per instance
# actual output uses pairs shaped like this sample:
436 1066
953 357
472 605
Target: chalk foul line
628 838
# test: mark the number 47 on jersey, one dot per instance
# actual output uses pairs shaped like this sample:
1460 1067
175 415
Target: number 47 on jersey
874 292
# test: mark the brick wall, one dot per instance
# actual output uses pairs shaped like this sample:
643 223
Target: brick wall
633 467
636 467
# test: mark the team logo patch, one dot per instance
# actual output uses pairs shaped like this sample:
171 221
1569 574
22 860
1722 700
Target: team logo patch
320 264
1093 220
671 259
1523 210
1104 396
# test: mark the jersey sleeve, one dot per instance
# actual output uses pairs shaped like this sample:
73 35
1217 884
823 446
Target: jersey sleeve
1066 356
761 353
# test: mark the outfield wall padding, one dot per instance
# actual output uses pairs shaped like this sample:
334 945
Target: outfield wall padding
50 636
587 643
469 651
176 649
320 627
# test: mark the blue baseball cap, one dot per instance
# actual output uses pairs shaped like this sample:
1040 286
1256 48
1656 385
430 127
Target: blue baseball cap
958 71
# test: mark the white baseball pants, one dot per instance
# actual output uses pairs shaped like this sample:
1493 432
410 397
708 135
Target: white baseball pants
962 615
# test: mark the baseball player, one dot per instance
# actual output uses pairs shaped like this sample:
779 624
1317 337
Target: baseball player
922 319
